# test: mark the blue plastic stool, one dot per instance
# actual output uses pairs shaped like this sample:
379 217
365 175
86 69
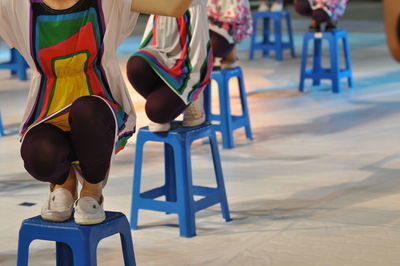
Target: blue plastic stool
317 72
75 244
1 126
17 65
228 123
277 45
178 190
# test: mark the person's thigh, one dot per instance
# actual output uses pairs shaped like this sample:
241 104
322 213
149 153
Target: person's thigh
93 136
141 76
47 153
164 105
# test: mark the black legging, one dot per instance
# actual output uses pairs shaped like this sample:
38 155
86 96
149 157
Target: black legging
319 15
162 104
220 46
48 151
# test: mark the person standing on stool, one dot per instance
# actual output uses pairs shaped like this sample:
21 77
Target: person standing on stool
230 23
321 11
78 110
173 66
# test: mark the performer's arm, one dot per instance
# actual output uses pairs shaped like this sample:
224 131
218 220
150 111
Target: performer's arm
172 8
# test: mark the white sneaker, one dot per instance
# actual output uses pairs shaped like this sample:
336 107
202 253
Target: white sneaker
59 206
263 7
88 211
276 7
156 127
194 114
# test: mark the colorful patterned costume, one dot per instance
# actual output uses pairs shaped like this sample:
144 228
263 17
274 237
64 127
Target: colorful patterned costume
230 18
178 50
72 54
334 8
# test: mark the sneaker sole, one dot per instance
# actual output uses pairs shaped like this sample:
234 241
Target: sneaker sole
52 218
88 221
159 128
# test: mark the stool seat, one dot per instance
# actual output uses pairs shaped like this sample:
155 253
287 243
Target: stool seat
268 44
335 72
75 244
17 65
178 189
226 123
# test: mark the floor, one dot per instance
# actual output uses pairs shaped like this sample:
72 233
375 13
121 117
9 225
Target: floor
319 185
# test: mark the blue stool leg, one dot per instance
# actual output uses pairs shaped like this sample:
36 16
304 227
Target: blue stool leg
219 177
64 256
13 60
245 109
347 57
187 226
136 182
226 121
1 126
266 36
317 63
335 65
21 67
85 252
303 68
127 245
208 102
170 179
253 39
278 38
23 249
290 32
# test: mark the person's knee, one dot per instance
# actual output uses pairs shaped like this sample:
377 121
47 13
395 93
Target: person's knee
96 171
320 16
135 67
87 108
160 112
44 161
303 7
164 106
219 45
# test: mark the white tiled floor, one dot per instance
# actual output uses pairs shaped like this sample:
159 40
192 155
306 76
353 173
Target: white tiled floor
319 185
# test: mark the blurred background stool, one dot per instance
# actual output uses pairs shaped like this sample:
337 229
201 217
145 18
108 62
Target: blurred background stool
17 65
335 73
275 44
178 189
226 122
75 244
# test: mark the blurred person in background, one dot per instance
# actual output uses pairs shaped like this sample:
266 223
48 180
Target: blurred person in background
230 23
321 11
271 5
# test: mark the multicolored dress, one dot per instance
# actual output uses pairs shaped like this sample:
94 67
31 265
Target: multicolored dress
72 54
179 51
334 8
230 18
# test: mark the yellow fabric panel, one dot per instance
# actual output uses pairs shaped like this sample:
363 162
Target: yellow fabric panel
71 84
61 122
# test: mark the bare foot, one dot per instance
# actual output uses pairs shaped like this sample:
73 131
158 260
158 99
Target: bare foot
92 190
